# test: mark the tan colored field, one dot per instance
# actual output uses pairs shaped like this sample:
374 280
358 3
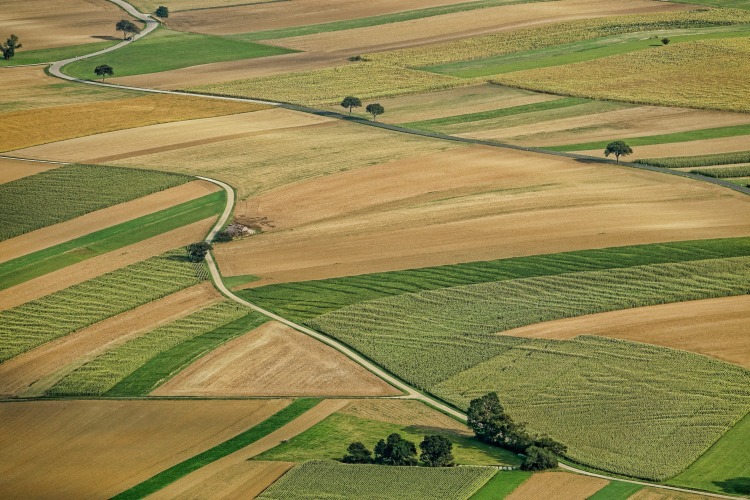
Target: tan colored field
101 219
660 494
714 327
403 412
275 360
560 485
42 24
181 5
210 476
690 148
96 266
32 373
39 126
11 170
469 204
104 447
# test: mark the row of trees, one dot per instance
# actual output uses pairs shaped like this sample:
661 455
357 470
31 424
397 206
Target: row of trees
351 102
436 451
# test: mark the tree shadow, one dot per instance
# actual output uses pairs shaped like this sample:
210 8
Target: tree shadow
108 37
737 485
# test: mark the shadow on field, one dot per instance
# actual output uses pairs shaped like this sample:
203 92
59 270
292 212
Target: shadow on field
107 37
737 485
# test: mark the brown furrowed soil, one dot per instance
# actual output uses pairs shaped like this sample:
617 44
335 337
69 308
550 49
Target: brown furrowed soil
22 129
469 204
11 170
275 360
690 148
560 485
210 476
96 266
403 412
43 24
713 327
660 494
84 449
35 371
101 219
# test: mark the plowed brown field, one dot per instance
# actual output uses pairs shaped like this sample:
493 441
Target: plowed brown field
83 449
714 327
11 170
690 148
275 360
470 204
558 485
33 372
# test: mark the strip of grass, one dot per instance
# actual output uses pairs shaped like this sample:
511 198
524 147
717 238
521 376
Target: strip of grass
698 161
306 300
501 485
724 173
616 490
495 113
166 50
236 281
365 22
55 54
164 478
169 363
65 254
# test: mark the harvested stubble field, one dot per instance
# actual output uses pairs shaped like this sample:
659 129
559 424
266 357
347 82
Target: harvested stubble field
329 479
183 5
11 170
566 486
275 360
104 447
469 204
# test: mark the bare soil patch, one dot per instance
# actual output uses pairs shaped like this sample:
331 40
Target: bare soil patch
714 327
11 170
104 447
275 360
469 204
690 148
660 494
560 485
96 266
101 219
33 372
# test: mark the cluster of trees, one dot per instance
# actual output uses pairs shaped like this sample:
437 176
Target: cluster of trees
10 46
491 424
351 102
127 27
436 451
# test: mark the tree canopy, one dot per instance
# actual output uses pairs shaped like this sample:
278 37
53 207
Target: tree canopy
162 12
351 102
618 148
127 27
539 459
10 46
436 451
375 110
197 251
357 453
104 70
395 451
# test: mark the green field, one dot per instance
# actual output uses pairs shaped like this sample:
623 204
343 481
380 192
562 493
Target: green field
29 325
169 476
501 485
97 243
616 490
328 479
57 54
699 160
725 172
330 438
166 50
69 191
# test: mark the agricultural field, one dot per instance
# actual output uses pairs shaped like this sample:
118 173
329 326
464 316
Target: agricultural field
11 170
565 485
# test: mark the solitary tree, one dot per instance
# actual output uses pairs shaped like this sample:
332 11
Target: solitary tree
665 41
127 27
539 459
162 12
395 451
357 453
375 110
104 70
618 148
436 451
351 102
10 46
197 251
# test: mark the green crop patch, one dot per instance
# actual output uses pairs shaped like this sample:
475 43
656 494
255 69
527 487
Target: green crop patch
328 479
698 161
724 173
70 191
501 485
616 490
23 57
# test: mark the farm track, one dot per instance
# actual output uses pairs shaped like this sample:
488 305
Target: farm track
410 392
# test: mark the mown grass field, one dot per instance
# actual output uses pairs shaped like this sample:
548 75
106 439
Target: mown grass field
23 57
63 193
328 479
501 485
34 323
616 490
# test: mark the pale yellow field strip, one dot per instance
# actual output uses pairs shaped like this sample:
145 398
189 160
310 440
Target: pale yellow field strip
11 170
96 449
33 372
96 266
403 412
101 219
275 360
204 477
690 148
659 494
714 327
558 485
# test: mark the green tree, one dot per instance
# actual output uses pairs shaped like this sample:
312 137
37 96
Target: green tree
436 451
547 443
539 459
395 451
357 453
486 417
665 41
10 46
104 70
162 12
618 148
127 27
351 102
197 251
375 110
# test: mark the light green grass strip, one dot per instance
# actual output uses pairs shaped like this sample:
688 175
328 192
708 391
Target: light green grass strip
616 490
71 252
169 476
501 485
698 161
57 54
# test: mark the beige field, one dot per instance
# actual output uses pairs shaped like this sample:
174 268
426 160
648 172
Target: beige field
713 327
212 475
275 360
403 412
42 24
469 204
690 148
39 126
101 219
561 485
33 372
11 170
84 449
180 5
96 266
660 494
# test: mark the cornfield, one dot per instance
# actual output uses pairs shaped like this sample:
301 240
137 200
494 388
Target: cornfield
698 161
724 172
